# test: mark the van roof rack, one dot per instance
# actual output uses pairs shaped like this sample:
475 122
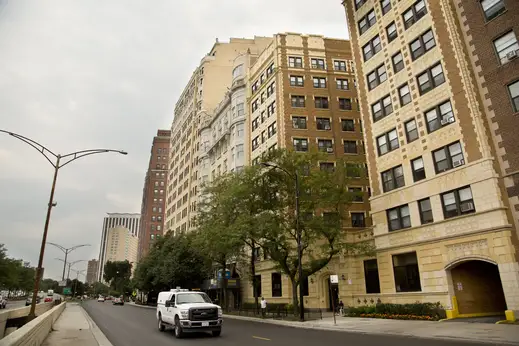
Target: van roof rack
179 290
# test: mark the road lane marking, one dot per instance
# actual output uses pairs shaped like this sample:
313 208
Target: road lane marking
260 338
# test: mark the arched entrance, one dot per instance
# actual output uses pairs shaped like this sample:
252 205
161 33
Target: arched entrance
478 289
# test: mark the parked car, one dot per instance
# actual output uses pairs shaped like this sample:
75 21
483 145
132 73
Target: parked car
101 299
187 311
3 302
118 301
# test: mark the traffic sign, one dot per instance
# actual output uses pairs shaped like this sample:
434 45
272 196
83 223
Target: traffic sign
63 283
227 274
67 290
334 279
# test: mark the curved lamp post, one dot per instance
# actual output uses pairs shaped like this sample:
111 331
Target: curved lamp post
78 272
59 162
70 264
295 176
66 251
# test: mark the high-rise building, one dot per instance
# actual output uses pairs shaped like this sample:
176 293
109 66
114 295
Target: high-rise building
153 194
439 91
204 91
130 221
302 97
121 245
92 269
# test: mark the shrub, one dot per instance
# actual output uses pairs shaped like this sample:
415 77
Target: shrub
431 310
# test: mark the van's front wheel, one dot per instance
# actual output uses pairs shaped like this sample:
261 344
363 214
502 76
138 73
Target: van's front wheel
179 333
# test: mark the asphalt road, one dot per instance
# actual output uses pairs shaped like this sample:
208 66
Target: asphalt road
14 304
134 326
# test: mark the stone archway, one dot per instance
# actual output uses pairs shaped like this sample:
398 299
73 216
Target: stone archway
477 287
325 294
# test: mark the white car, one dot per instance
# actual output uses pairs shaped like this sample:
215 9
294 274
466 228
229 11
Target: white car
188 311
101 299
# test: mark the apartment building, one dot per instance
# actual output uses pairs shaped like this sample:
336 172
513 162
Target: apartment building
302 96
438 86
203 93
121 245
92 269
130 221
153 207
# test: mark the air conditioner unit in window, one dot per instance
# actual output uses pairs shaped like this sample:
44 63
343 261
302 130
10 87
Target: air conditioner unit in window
330 150
512 55
458 163
447 121
469 206
296 126
327 127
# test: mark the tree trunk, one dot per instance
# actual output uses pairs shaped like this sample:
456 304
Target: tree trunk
254 280
295 301
224 287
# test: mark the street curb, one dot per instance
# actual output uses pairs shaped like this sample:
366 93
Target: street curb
143 306
99 336
303 325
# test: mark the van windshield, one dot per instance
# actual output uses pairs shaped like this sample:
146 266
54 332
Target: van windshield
186 298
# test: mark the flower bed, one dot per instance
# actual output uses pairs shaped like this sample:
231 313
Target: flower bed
398 317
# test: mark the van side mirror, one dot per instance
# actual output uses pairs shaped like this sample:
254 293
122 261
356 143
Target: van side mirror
168 303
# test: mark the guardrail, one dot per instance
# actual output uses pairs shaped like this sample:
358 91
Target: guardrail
18 316
36 331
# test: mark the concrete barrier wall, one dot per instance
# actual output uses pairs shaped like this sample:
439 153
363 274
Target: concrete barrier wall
34 332
21 312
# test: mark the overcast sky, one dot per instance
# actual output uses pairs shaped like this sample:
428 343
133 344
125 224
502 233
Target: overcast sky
87 74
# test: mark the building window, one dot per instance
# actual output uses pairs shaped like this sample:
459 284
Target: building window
300 144
323 124
298 101
407 275
411 131
418 169
359 3
371 48
358 220
299 122
255 123
371 276
239 151
319 82
240 110
339 65
385 5
439 116
297 81
458 202
255 105
513 90
398 62
422 44
321 102
367 21
345 104
271 109
257 286
492 8
325 145
270 70
326 166
448 157
356 193
271 88
317 64
342 84
430 79
276 285
377 77
387 142
393 179
507 47
255 143
348 125
391 32
350 147
426 215
382 108
296 62
405 94
272 129
414 13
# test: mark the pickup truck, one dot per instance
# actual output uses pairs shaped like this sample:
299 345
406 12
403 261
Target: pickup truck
188 311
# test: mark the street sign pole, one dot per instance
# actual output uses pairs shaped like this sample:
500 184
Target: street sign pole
334 279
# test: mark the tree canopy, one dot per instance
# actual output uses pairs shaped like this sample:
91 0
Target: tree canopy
14 276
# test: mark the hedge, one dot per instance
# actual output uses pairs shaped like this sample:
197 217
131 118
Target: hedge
432 310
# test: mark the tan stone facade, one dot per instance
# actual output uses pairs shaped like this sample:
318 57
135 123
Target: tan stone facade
313 70
443 225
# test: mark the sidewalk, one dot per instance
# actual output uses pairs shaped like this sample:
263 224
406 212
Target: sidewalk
497 334
75 327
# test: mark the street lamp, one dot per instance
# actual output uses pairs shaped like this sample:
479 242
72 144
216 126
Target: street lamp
60 161
70 264
295 176
66 251
77 278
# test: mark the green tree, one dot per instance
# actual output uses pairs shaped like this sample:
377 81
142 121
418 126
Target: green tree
118 274
324 199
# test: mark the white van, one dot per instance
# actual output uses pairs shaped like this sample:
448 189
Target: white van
188 311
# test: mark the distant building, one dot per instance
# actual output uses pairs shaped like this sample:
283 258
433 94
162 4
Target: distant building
92 269
153 194
121 245
130 221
